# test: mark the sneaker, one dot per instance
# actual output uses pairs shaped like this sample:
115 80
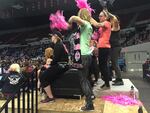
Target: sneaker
105 87
47 99
118 83
116 80
93 97
88 107
102 86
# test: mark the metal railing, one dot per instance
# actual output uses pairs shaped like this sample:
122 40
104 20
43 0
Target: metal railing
29 94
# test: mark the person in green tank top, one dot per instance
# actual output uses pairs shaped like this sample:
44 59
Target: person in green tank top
83 20
85 38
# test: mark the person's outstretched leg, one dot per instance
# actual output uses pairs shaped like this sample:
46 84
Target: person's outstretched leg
49 97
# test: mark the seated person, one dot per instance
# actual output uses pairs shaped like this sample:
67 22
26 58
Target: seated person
12 81
48 59
59 65
27 68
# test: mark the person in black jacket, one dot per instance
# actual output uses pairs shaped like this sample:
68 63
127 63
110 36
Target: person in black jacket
59 65
12 81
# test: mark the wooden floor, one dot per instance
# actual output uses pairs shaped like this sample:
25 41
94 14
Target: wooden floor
69 106
101 106
2 102
73 105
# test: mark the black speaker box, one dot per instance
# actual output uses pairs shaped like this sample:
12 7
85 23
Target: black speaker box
68 85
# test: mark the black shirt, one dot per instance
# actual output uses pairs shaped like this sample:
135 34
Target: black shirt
60 53
115 39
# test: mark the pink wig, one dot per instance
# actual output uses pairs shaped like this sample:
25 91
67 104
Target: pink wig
83 4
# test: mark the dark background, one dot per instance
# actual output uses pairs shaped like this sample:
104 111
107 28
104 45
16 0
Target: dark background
30 16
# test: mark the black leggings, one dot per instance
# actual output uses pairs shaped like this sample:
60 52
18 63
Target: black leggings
51 74
115 53
85 84
103 59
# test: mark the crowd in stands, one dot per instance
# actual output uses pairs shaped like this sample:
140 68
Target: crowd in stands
136 38
20 55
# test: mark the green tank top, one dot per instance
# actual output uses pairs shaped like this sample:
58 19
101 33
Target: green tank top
85 37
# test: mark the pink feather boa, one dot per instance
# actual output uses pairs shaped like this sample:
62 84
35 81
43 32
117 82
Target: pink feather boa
83 4
122 100
58 21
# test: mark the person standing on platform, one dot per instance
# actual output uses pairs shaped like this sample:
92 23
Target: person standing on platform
115 48
103 45
48 59
83 20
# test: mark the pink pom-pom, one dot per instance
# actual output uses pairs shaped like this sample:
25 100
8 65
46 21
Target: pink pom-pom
58 21
83 4
122 100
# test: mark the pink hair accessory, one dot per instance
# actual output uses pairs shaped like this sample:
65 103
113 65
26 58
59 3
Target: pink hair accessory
122 100
83 4
58 21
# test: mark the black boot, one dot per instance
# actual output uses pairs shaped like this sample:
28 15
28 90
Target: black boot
87 107
118 82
